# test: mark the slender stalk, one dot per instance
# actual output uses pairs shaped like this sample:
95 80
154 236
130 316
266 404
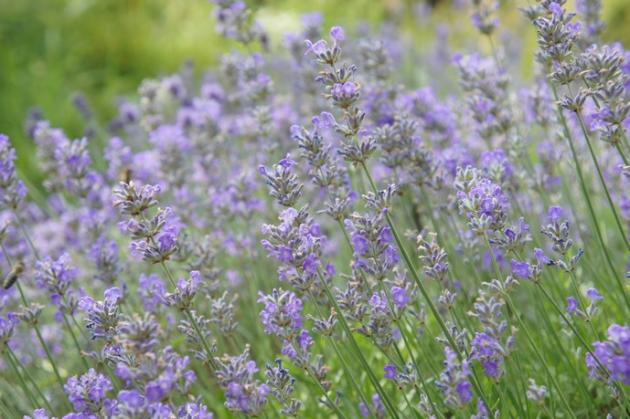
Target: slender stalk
575 331
7 410
325 393
589 204
65 317
622 154
582 302
27 237
29 377
355 347
403 333
25 388
602 181
423 291
35 326
75 340
532 343
401 327
510 313
568 356
191 318
344 363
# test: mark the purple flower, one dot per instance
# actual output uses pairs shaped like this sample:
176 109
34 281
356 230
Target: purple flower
243 393
363 410
489 352
453 380
12 190
287 162
104 253
555 214
282 314
400 297
390 371
541 258
318 48
614 356
337 33
481 200
323 120
132 400
7 325
87 393
103 316
282 182
572 305
593 295
345 94
55 276
377 406
38 414
194 411
378 303
305 340
464 392
360 244
185 291
310 265
521 270
152 291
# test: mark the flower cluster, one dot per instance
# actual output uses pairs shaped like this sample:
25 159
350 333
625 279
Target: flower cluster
491 346
453 381
88 393
12 189
155 238
482 201
243 393
613 355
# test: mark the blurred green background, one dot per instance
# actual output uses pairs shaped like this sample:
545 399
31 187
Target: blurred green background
50 49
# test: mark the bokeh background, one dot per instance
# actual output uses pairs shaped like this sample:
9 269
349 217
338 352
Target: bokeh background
52 49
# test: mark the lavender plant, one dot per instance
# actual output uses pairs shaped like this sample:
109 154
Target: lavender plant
305 232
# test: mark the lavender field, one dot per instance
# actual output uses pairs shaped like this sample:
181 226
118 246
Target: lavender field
306 230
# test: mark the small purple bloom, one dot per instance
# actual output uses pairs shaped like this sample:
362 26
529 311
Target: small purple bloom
337 33
400 297
360 244
521 270
390 371
572 305
593 295
555 214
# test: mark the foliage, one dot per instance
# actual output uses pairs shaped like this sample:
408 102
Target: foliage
300 230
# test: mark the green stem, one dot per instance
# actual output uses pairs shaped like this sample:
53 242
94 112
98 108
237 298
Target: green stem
401 327
325 393
582 302
75 340
532 343
575 331
622 154
27 237
25 388
403 333
191 318
344 363
35 327
569 357
355 347
589 204
31 380
421 287
602 181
